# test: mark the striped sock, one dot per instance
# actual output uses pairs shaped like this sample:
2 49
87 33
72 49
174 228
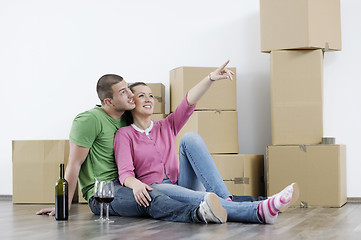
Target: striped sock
268 209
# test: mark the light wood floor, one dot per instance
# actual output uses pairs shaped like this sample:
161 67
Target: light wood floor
20 222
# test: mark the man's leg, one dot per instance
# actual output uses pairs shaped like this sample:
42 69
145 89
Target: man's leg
161 207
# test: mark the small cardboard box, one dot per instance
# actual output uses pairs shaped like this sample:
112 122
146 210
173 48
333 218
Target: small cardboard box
300 24
296 97
36 169
243 174
319 170
219 130
220 96
157 117
158 91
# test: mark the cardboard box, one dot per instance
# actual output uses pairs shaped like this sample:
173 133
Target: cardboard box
296 97
157 117
158 91
300 24
219 130
220 96
320 171
36 169
242 173
80 196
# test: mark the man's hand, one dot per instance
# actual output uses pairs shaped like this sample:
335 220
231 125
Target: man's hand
50 211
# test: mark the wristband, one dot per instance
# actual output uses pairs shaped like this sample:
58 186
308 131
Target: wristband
209 76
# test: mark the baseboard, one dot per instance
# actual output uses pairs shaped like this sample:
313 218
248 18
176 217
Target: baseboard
6 197
354 200
350 199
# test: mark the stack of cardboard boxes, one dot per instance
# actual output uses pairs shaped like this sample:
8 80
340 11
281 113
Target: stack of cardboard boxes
216 120
296 33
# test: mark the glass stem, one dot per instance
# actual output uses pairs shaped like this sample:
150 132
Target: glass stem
101 210
107 211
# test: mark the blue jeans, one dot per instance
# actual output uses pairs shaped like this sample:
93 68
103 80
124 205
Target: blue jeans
197 170
161 207
237 211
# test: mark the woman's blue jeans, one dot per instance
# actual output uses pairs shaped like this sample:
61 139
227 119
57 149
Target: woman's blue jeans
197 170
198 173
237 211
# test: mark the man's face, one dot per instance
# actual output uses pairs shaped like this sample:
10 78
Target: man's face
122 97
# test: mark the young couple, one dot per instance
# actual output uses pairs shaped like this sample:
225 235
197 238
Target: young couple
147 180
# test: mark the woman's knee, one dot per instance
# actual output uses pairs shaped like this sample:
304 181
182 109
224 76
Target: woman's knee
191 137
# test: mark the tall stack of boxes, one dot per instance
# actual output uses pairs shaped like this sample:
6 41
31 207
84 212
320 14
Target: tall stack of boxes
296 33
216 120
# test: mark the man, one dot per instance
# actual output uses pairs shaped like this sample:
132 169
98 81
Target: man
91 156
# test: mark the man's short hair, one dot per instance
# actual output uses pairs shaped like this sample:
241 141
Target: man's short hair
104 86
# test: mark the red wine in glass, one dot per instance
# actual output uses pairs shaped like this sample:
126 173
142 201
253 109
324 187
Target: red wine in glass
98 199
106 199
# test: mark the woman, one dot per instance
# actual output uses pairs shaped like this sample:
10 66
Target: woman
146 158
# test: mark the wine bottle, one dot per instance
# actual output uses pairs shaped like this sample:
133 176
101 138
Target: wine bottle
61 197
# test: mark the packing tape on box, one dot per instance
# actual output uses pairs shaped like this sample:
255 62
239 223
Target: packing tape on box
328 140
303 204
159 99
303 148
242 180
327 47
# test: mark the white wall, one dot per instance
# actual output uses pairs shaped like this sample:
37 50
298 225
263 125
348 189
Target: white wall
53 52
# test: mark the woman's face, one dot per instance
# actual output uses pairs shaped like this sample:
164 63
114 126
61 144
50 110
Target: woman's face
143 99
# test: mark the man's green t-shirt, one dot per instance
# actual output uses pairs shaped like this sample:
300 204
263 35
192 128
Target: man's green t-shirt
95 129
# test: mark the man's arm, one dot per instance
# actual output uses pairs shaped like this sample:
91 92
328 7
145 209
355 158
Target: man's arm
77 156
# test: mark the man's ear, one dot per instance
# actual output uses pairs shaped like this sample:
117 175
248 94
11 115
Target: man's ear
108 101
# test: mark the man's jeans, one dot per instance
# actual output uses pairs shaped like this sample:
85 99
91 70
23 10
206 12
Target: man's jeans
161 207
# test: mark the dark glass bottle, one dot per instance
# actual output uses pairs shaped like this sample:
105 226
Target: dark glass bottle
61 197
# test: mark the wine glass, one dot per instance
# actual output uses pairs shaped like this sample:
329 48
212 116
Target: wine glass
97 192
107 195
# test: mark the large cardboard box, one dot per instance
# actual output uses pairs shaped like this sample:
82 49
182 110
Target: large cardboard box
220 96
80 196
158 91
157 117
36 169
320 171
296 97
243 174
300 24
219 130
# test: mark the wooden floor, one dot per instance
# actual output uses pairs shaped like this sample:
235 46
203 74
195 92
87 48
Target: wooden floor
20 222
